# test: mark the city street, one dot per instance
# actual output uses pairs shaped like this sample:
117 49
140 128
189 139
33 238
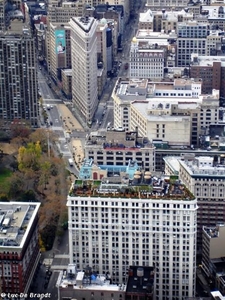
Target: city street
56 259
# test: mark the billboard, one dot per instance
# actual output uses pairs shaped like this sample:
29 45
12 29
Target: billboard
60 41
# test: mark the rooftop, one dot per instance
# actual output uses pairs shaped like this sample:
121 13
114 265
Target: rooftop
140 280
206 61
203 166
143 185
117 139
147 34
16 219
212 232
85 280
85 23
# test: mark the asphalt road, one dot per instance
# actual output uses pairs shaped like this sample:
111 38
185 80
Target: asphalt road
57 259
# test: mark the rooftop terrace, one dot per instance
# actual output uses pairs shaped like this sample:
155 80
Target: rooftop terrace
143 185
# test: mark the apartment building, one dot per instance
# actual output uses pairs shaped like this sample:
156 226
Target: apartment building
124 93
158 4
156 49
139 103
118 147
167 20
215 43
146 60
19 247
214 14
61 11
206 181
109 230
58 45
191 38
84 66
212 246
146 20
18 87
212 71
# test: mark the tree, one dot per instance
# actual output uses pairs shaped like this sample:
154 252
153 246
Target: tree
44 137
16 183
29 157
19 128
45 168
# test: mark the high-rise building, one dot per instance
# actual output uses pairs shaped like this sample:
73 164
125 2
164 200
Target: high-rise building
191 38
58 46
18 84
19 247
84 66
206 181
147 221
3 14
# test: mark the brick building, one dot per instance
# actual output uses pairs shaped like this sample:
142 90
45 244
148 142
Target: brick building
212 71
19 248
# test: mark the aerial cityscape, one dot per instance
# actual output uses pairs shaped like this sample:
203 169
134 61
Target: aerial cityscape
112 150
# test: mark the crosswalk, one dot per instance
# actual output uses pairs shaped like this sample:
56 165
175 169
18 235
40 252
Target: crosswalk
52 101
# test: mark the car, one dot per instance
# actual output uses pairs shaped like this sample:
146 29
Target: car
51 106
39 68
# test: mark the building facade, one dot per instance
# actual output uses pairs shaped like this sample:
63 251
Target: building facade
146 60
212 246
18 86
111 233
117 147
58 45
84 66
206 181
19 247
191 38
179 106
212 71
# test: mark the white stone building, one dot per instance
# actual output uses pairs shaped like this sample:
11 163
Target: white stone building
84 66
146 60
110 230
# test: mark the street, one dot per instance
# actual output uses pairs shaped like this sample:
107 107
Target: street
62 120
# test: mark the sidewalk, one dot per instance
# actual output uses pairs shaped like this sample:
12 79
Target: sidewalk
69 121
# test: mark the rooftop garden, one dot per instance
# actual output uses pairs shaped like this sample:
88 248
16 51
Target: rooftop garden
167 189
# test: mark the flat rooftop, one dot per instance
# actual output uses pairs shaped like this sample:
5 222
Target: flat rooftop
143 185
143 284
16 219
207 61
201 166
85 280
212 232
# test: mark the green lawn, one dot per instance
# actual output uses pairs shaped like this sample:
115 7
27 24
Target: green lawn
4 175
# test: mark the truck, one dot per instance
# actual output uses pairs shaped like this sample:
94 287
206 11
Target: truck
70 160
